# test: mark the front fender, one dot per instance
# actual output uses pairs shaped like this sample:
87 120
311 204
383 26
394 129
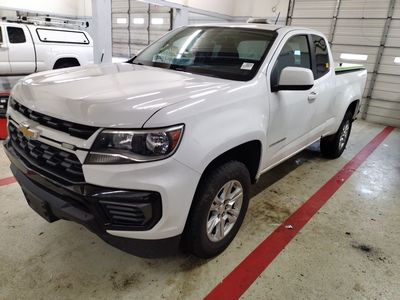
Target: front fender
212 129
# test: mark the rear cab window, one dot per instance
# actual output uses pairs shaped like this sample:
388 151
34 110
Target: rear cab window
321 54
62 36
16 35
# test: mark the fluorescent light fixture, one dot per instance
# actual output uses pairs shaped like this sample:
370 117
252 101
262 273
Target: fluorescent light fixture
121 20
351 56
138 21
157 21
397 60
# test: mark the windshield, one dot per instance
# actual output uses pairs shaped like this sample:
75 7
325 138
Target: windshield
224 52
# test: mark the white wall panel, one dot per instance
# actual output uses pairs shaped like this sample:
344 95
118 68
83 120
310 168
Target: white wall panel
387 65
314 9
396 13
393 38
135 24
370 51
323 25
364 8
359 31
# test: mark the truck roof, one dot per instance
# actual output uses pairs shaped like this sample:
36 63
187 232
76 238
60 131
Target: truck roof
272 27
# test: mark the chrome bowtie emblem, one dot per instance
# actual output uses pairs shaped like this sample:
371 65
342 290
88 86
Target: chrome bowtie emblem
30 134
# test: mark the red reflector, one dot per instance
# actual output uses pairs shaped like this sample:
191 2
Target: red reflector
3 129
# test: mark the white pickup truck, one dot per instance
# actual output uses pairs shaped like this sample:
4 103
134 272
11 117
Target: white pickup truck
160 152
27 48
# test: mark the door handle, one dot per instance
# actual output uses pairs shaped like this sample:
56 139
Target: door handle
312 96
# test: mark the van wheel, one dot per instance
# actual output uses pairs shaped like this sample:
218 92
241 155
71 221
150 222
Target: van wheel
332 146
220 205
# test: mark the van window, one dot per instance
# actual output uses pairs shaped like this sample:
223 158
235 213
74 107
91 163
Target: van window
62 36
295 53
16 35
1 36
321 56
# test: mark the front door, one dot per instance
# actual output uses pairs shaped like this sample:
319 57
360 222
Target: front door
290 111
4 62
21 51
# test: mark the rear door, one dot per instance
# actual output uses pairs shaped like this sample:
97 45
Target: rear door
290 111
4 62
324 85
21 50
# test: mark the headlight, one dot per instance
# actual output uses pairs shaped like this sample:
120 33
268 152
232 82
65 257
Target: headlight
131 146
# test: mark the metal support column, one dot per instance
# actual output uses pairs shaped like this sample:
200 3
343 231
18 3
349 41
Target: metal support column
334 21
102 42
290 12
181 17
378 58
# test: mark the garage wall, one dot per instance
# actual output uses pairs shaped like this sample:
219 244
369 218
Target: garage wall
135 24
358 27
225 7
72 8
261 8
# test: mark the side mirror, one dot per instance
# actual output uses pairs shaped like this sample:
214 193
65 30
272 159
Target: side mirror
295 79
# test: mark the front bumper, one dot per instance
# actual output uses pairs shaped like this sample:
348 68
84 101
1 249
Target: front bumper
86 204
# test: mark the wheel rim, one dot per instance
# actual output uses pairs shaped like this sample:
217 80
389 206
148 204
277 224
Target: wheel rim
344 135
224 210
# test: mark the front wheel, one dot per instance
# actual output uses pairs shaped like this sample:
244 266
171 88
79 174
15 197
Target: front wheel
333 146
218 210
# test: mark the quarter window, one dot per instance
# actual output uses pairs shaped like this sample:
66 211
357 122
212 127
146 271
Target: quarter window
16 35
295 53
1 36
321 56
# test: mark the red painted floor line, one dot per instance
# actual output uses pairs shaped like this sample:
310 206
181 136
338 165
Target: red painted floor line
242 277
8 180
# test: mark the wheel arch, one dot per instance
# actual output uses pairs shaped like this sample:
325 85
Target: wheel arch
72 61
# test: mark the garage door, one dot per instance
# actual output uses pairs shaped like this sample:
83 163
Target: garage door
356 30
135 24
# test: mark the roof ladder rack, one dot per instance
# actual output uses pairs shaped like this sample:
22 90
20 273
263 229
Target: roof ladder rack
48 21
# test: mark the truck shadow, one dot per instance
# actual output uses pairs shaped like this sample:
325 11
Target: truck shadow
283 169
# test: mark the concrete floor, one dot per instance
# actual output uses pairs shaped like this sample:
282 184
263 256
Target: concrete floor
326 259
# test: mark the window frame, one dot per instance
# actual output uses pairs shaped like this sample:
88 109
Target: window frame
314 56
61 42
308 38
8 34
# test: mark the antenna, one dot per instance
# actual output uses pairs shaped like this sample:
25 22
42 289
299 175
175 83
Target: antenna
277 18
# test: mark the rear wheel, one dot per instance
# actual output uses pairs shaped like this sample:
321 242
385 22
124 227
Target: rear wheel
218 211
333 146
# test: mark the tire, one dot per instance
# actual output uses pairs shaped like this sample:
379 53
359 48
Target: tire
332 146
202 233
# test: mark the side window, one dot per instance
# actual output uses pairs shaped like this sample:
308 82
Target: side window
295 53
321 56
1 36
16 35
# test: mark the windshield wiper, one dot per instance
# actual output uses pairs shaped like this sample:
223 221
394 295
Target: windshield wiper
177 67
137 63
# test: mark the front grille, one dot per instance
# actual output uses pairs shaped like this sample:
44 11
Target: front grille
127 214
51 161
3 105
73 129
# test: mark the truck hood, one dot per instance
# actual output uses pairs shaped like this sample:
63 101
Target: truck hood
112 95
